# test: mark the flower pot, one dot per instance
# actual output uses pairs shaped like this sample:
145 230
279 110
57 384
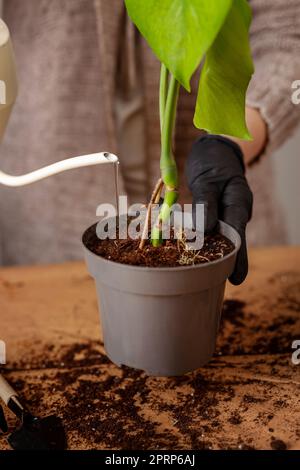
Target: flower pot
161 320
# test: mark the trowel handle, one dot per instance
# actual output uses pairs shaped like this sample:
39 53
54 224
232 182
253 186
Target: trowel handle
10 397
6 391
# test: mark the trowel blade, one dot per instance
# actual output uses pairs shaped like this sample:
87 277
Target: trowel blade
42 434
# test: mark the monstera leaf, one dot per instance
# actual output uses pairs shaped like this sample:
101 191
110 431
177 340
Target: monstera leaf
226 73
179 31
184 32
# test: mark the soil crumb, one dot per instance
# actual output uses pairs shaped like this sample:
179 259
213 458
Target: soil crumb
171 254
278 444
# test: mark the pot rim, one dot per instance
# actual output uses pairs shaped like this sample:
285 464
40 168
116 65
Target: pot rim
166 268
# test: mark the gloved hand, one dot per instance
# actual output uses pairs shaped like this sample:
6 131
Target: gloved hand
215 173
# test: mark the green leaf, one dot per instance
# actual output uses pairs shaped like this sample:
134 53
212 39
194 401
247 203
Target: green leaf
226 73
179 31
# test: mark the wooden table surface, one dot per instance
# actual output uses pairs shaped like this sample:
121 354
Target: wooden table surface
247 397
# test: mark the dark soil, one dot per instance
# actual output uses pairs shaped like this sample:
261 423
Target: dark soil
126 251
244 333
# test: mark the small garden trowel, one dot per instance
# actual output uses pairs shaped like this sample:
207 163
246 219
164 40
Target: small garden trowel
34 433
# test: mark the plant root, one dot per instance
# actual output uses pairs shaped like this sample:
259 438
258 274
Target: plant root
154 200
189 257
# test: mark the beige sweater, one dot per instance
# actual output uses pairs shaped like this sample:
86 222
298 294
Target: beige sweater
69 56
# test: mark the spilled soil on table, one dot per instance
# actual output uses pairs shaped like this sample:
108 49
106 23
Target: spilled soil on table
243 333
103 406
243 388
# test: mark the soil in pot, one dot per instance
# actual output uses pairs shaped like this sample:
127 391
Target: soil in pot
172 254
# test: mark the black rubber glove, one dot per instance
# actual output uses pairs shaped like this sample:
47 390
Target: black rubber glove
215 173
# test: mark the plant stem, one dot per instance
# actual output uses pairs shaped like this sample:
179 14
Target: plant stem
155 194
168 166
168 122
163 88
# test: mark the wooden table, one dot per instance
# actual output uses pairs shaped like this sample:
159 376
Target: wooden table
247 397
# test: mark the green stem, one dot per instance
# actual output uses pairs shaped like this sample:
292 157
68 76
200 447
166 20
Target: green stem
168 166
168 121
163 88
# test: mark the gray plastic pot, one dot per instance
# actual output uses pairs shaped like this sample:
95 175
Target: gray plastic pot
161 320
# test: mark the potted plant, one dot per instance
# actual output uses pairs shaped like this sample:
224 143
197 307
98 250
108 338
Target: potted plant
164 320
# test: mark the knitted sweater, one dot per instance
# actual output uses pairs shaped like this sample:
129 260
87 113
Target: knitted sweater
69 55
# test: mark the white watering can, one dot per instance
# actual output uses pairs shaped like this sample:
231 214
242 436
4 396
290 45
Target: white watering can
8 94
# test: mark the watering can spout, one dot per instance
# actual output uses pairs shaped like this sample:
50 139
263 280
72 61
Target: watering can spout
58 167
8 94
